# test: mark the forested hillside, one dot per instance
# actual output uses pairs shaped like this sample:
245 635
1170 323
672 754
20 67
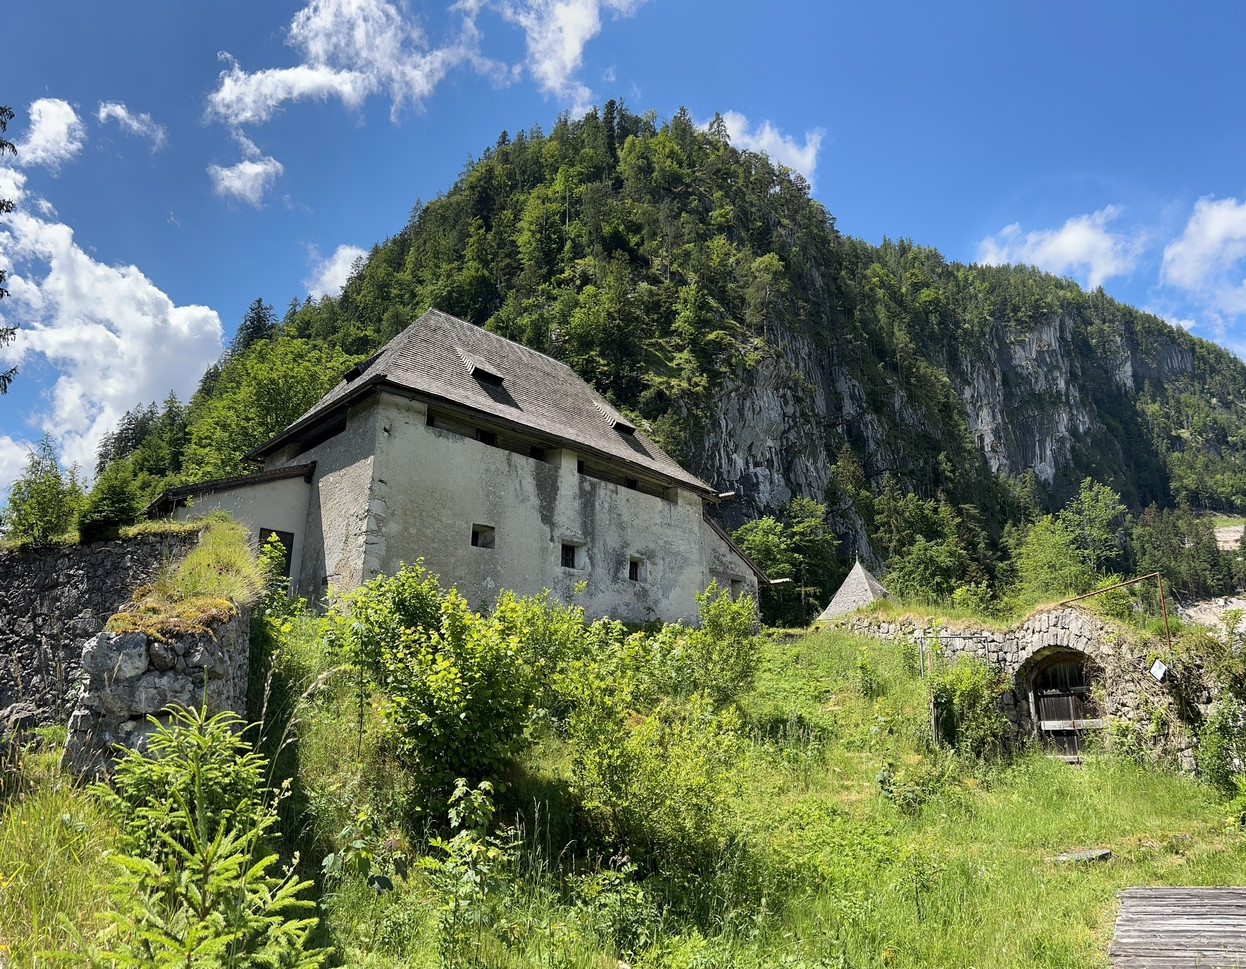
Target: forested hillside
701 289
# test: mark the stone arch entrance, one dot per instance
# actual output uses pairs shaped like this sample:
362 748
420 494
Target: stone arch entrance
1064 710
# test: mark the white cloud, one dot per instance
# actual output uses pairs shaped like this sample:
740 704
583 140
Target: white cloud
12 461
348 49
556 32
781 148
353 49
250 178
54 136
329 275
1205 259
114 337
136 124
1083 244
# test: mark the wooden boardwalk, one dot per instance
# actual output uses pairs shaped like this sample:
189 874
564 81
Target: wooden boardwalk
1172 928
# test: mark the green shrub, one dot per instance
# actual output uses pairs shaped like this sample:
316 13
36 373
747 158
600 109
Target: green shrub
661 783
458 694
966 695
1221 753
112 504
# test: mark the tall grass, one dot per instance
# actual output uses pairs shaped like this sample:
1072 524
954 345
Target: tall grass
52 866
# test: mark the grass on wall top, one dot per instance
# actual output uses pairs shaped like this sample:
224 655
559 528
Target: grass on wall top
219 574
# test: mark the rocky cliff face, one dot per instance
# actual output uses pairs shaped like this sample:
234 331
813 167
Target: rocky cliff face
1028 398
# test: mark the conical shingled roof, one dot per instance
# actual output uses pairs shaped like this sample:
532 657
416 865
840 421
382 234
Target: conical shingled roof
859 589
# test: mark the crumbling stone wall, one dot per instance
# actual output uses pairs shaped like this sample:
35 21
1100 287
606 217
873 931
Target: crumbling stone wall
51 599
126 678
1131 696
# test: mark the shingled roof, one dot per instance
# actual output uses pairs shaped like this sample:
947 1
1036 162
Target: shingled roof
443 358
859 589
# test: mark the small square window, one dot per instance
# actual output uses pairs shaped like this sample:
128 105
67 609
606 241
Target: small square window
536 452
482 536
486 437
631 483
636 570
569 556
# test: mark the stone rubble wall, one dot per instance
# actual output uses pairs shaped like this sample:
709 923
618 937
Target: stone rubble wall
53 598
127 678
1130 694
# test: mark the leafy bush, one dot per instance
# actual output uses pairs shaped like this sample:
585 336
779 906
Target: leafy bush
369 619
966 695
1221 753
660 783
459 693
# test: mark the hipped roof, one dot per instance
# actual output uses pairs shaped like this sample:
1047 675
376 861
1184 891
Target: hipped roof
441 357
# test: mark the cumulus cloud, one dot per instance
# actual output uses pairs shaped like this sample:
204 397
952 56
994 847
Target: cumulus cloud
353 49
55 135
329 275
112 335
348 49
781 148
136 124
555 34
1083 245
250 178
1205 259
12 461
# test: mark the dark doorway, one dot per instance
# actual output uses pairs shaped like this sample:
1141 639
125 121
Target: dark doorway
1064 709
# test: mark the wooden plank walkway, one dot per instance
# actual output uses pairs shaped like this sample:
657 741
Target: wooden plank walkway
1171 928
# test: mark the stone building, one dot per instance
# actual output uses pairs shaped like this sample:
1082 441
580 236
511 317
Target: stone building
498 466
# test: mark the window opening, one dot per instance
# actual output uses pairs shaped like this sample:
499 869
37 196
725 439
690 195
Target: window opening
287 543
631 483
482 536
536 452
570 556
636 570
486 437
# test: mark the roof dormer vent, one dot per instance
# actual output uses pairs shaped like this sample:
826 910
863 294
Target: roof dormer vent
615 419
478 369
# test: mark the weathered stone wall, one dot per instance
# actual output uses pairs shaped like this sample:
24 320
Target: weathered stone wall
51 599
128 677
1130 693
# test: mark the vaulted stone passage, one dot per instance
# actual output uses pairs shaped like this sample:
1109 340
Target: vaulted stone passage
1062 702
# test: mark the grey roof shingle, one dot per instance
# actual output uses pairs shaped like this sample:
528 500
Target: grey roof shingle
442 357
859 589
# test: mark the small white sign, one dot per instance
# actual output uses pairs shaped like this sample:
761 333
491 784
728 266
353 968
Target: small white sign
1158 669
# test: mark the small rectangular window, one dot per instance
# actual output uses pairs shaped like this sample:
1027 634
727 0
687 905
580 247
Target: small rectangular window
631 483
482 536
432 421
579 467
486 437
568 556
536 452
636 570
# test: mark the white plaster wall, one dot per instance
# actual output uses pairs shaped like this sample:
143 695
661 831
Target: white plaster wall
431 485
280 505
337 513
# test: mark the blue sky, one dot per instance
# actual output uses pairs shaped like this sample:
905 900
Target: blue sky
175 161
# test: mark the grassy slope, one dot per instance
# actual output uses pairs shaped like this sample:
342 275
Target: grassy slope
828 872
